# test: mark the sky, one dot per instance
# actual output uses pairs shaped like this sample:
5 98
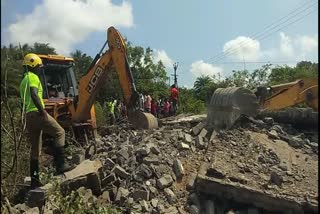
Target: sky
205 37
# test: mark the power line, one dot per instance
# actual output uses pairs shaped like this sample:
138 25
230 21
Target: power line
257 35
263 35
257 62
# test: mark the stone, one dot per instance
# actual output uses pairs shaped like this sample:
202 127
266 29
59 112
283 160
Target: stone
184 146
153 192
34 210
188 138
106 196
109 163
90 151
283 166
140 195
209 207
144 151
119 171
278 129
170 210
21 207
197 128
155 150
191 182
171 197
314 146
85 174
276 178
121 195
199 142
203 133
154 202
268 120
151 160
124 153
144 205
178 168
273 134
144 171
137 207
130 200
109 179
78 158
165 181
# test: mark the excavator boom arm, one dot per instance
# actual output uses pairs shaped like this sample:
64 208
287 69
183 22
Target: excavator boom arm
290 94
91 82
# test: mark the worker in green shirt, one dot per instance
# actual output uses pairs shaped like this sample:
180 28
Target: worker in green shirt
111 106
38 120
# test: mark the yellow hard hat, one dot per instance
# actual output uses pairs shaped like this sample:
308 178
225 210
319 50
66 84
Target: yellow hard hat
32 60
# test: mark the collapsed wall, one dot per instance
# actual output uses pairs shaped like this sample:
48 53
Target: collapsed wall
256 166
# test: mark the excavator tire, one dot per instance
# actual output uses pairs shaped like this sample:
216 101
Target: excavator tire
142 120
227 104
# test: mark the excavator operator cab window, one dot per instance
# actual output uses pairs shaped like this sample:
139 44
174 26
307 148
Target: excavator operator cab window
58 80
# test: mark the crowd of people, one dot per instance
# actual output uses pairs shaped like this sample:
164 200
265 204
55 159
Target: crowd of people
164 107
160 108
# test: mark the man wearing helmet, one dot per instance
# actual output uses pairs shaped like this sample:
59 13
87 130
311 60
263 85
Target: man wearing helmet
38 120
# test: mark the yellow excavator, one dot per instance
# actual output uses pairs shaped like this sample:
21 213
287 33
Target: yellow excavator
71 103
227 104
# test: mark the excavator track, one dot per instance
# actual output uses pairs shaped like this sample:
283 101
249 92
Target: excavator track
227 104
142 120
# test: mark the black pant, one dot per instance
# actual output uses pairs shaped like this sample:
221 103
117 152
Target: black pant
174 103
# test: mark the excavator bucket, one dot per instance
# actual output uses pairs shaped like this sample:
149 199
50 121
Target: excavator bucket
227 104
142 120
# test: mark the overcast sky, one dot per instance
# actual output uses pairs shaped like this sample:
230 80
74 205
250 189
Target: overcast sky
204 36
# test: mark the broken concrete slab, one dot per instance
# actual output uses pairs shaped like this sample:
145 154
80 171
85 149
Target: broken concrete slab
178 168
191 182
119 171
196 130
165 181
242 194
203 132
171 197
140 195
199 142
184 146
188 138
86 174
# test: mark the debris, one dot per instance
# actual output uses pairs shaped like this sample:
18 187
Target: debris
178 168
164 181
171 197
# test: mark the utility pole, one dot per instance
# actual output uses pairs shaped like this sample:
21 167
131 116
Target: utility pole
175 66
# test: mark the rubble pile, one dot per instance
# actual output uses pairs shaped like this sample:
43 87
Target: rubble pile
156 171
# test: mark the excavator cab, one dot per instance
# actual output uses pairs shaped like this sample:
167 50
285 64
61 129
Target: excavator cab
58 77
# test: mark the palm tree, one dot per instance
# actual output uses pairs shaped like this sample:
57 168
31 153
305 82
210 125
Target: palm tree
202 87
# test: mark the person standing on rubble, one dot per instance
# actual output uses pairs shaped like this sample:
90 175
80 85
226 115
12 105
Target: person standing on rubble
174 94
111 115
148 103
38 121
166 107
